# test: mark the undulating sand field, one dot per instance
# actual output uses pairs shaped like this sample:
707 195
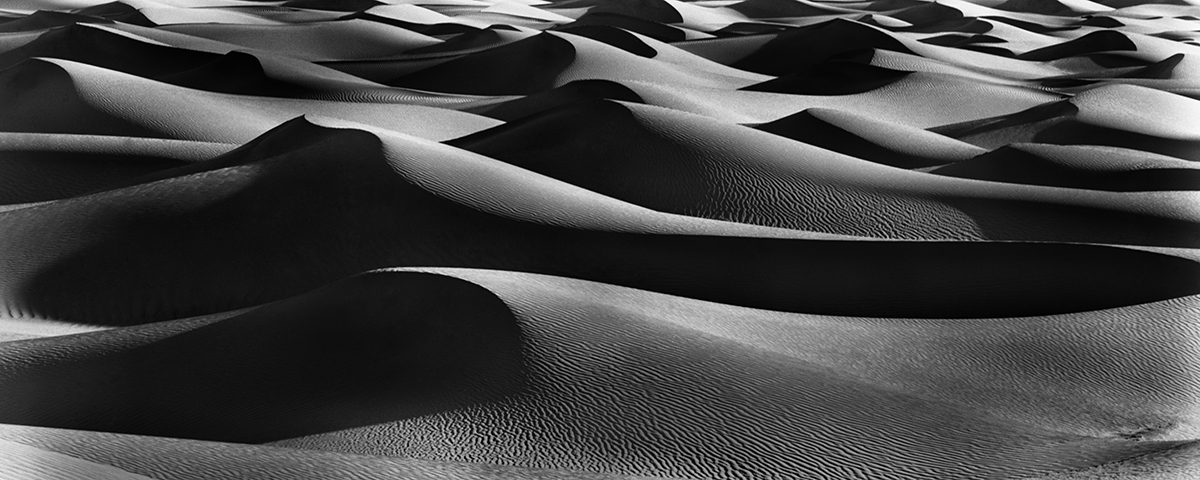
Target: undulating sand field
599 239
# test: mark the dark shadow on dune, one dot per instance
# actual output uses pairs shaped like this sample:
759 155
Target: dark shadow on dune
108 50
523 67
578 90
741 29
1044 7
831 78
928 14
434 29
1012 164
613 36
803 47
374 348
1006 129
886 5
779 8
36 176
1079 133
1030 26
315 205
43 19
649 10
38 96
474 40
1055 123
332 5
807 128
1000 222
237 73
953 24
1095 42
961 41
657 31
1100 21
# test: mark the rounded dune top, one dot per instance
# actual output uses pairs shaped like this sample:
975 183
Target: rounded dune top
354 39
1141 110
508 239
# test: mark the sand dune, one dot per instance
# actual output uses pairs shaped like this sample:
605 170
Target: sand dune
1162 123
22 461
178 459
869 139
343 40
451 207
697 166
1079 166
86 97
599 239
517 368
1176 464
38 167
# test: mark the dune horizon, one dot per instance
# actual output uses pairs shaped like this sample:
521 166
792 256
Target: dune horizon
600 239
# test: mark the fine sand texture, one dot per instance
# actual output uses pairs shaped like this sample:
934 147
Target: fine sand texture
600 239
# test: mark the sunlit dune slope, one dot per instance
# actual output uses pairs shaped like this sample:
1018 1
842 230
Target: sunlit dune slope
600 239
506 355
691 165
285 214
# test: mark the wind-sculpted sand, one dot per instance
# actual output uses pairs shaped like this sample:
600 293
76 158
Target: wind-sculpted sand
599 239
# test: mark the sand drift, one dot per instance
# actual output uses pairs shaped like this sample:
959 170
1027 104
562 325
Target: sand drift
599 239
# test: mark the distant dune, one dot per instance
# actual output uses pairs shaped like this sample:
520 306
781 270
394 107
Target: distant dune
600 239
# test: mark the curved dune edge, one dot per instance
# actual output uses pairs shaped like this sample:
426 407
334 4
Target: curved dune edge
531 239
180 459
153 252
38 167
1179 463
107 102
23 461
690 165
516 349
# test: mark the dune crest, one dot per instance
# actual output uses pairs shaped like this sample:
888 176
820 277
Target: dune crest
599 239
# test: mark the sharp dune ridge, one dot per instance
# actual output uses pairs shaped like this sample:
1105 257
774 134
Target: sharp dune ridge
599 239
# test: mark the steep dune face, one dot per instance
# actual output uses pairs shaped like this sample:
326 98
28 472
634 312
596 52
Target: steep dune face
92 100
212 236
521 240
180 459
1161 122
371 349
870 139
695 166
23 461
38 167
1079 166
506 355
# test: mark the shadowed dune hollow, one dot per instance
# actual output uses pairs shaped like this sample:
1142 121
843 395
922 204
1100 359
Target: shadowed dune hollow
600 239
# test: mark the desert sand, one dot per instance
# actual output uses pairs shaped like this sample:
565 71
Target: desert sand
600 239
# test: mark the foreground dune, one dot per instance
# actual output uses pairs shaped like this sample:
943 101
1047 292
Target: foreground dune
599 239
507 355
179 459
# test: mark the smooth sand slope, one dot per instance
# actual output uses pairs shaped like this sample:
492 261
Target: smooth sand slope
1079 166
38 166
504 355
599 239
691 165
1113 115
22 461
93 100
305 205
180 459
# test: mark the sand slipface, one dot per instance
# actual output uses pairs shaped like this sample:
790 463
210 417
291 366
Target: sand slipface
598 239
